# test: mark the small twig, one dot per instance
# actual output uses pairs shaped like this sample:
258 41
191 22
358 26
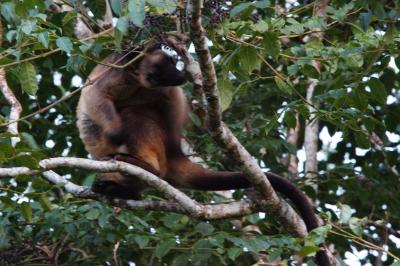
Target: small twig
53 51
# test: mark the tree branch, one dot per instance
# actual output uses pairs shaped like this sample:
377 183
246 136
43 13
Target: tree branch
181 203
15 105
224 137
312 125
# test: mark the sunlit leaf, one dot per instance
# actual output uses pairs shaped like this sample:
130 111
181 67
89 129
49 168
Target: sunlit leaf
27 78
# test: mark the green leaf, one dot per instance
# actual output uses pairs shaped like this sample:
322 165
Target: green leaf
290 119
164 247
27 26
204 228
122 24
30 140
234 252
69 22
282 85
345 214
243 6
116 6
260 26
249 59
92 214
27 78
45 202
378 90
362 140
163 6
142 241
356 225
27 161
26 211
271 44
136 11
7 149
89 180
396 263
310 71
65 44
43 38
8 12
365 19
308 250
225 92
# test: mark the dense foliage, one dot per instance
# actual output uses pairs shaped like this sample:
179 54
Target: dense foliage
265 56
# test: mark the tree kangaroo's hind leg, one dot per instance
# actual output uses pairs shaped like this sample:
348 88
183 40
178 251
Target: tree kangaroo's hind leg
118 185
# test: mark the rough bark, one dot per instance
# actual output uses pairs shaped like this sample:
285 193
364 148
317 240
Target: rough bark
222 134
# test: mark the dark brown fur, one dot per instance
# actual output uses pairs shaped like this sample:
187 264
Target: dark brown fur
136 115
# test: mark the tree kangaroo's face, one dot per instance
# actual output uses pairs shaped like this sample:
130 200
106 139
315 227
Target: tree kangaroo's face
157 69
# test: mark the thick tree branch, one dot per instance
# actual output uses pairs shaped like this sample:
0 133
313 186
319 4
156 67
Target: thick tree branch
311 138
293 138
180 204
224 136
312 125
15 106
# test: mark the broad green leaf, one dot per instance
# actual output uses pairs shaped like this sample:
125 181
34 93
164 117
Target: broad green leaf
30 140
122 24
89 180
365 19
26 211
65 44
282 85
260 26
92 214
356 225
164 247
27 26
310 71
308 250
27 160
45 202
225 92
234 252
8 12
249 59
290 119
69 22
43 38
362 140
396 263
163 6
7 149
345 214
378 90
116 6
271 44
317 236
243 6
204 228
142 241
136 11
27 78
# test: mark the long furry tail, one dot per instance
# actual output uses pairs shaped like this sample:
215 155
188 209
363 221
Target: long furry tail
190 175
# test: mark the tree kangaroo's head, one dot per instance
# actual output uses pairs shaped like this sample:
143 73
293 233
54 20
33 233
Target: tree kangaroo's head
158 69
